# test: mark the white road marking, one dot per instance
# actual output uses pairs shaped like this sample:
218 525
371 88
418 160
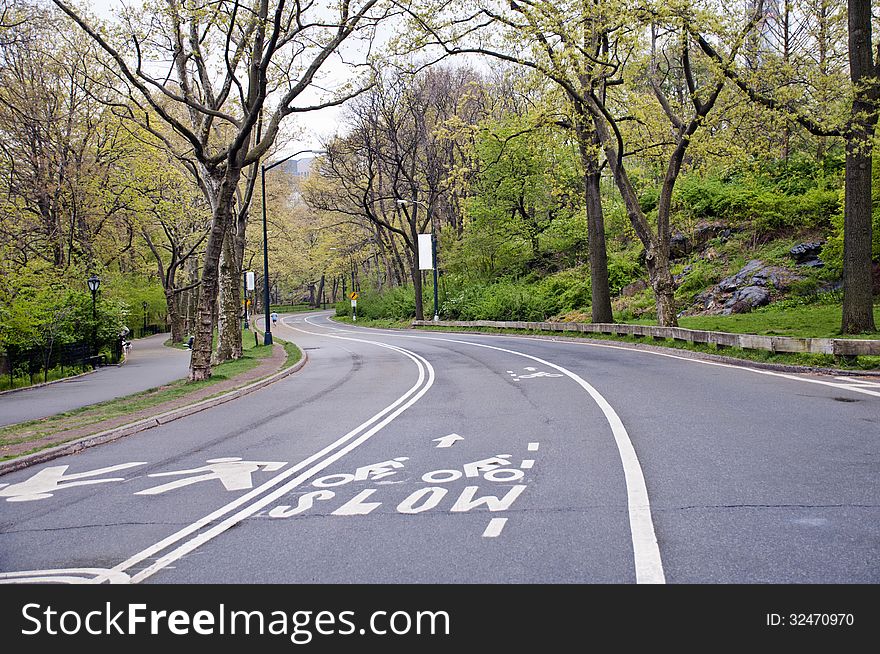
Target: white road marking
321 460
468 500
447 441
64 576
493 529
533 447
646 552
49 481
527 464
231 471
586 343
430 498
859 382
357 506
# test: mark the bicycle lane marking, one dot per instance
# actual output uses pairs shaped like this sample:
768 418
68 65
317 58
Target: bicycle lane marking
646 551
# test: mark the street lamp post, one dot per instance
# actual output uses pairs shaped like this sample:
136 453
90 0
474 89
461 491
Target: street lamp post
267 338
94 283
433 251
145 318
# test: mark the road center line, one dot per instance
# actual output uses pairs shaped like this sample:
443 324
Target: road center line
410 397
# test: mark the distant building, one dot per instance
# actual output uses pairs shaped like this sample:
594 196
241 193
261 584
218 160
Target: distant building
299 167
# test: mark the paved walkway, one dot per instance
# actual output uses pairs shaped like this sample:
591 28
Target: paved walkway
149 364
266 367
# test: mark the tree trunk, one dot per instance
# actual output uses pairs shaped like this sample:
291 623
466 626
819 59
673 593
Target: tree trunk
229 344
660 276
599 288
200 362
321 291
858 310
175 317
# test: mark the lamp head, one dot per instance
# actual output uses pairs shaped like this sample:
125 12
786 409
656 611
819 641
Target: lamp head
94 283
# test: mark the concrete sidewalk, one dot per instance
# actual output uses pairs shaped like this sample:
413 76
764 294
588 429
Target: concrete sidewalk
148 364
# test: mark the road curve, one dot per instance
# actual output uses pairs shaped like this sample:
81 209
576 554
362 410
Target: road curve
414 457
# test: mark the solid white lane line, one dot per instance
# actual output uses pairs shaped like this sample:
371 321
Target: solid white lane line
264 501
158 547
493 529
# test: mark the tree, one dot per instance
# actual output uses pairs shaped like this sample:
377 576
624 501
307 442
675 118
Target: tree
226 59
394 170
585 48
857 127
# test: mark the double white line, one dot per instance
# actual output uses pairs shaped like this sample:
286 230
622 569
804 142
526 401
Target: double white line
184 541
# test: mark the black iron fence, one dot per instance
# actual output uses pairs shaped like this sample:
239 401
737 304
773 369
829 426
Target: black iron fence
28 366
140 331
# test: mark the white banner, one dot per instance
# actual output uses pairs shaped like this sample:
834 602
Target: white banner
425 257
249 276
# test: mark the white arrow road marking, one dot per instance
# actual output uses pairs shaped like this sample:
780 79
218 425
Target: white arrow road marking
51 480
448 441
260 497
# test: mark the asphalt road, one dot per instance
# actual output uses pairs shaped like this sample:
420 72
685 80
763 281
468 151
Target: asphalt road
414 457
149 364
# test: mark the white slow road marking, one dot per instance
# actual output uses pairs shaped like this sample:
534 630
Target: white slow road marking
493 529
321 460
646 552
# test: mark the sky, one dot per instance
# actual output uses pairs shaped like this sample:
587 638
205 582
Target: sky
310 130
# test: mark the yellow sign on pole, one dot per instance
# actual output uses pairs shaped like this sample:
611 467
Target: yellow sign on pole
353 295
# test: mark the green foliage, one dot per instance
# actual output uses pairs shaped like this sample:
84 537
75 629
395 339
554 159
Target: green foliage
397 303
702 275
43 306
524 208
757 203
832 253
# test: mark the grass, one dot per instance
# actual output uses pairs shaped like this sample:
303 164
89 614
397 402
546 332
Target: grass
96 413
811 321
24 381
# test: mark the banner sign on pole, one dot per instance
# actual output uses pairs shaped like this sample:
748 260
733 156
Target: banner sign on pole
425 257
249 276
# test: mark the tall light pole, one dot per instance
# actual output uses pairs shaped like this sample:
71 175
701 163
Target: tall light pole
94 283
433 250
267 338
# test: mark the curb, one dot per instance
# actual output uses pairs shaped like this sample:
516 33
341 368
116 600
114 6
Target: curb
54 381
145 423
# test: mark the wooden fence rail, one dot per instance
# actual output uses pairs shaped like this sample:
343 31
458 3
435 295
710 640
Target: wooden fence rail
835 346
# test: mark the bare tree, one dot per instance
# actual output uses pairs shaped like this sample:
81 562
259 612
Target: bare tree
200 76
